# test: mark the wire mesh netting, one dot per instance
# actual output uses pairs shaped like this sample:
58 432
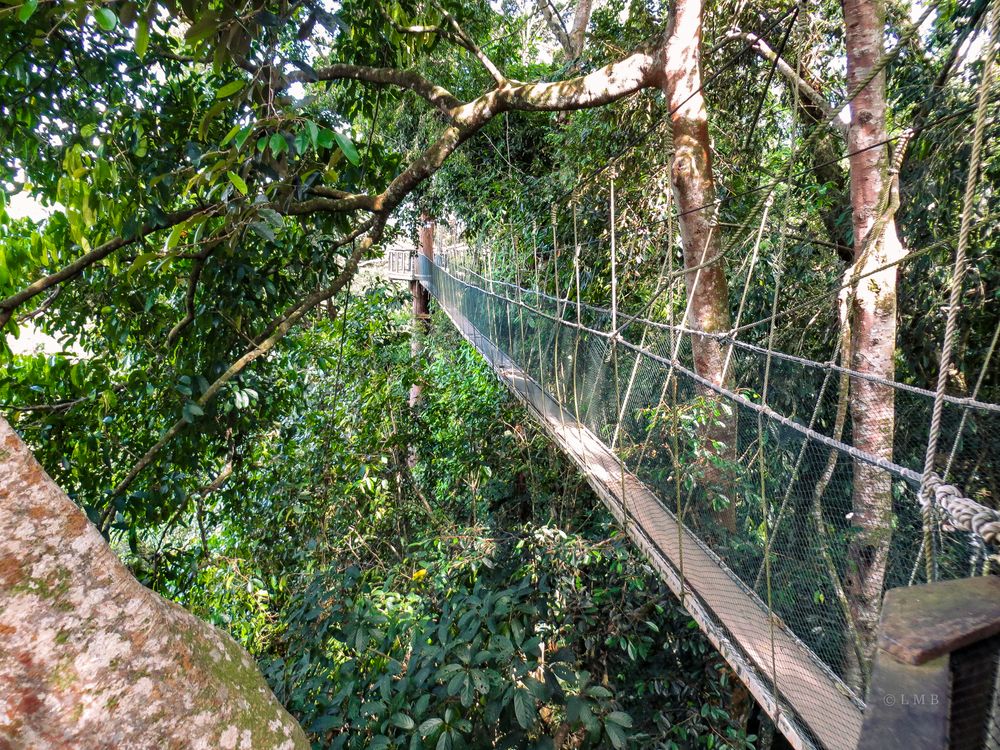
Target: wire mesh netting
761 469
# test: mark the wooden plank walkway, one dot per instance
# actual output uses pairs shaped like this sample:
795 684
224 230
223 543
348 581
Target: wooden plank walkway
808 703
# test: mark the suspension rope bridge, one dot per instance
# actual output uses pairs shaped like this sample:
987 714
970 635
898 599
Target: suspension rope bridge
621 397
740 489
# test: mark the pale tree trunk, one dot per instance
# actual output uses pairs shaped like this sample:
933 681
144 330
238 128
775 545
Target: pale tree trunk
872 319
578 34
90 658
694 191
571 40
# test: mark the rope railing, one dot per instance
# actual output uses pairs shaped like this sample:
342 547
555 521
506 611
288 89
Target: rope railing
961 513
633 386
724 338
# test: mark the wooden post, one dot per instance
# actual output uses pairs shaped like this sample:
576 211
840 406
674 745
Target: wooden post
935 667
421 315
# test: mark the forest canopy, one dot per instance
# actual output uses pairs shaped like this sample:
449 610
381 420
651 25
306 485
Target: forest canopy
209 182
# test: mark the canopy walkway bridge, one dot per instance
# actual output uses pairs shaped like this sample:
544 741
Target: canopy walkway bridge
621 397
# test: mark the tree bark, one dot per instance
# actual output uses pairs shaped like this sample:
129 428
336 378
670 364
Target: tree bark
90 658
872 317
694 191
578 34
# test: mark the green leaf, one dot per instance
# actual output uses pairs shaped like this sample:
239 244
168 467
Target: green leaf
620 718
206 120
524 708
278 144
301 142
141 260
402 721
348 148
106 18
263 230
617 735
230 135
271 216
238 182
325 138
468 692
141 37
203 28
242 136
229 89
325 723
430 726
27 10
174 238
191 410
444 741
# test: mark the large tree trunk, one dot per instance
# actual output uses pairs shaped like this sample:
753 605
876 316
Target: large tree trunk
90 658
694 190
872 318
578 34
571 40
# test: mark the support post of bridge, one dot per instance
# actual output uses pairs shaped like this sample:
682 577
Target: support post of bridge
936 682
421 313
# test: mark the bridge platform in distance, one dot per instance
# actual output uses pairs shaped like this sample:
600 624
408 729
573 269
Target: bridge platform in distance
808 703
401 265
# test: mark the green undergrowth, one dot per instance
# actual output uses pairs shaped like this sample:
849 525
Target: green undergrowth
438 577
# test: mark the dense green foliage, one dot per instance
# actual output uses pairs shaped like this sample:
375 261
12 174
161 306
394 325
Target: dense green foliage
436 577
478 597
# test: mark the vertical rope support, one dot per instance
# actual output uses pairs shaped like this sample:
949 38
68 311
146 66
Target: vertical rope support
510 325
614 341
959 270
579 323
537 301
762 472
560 307
614 266
975 394
746 284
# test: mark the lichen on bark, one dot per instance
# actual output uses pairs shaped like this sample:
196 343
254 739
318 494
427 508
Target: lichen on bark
90 658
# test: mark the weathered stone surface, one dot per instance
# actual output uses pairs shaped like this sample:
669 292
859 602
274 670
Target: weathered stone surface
90 658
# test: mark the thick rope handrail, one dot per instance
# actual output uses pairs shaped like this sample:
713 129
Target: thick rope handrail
927 494
961 513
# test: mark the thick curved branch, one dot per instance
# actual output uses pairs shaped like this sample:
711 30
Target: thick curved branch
610 83
440 97
806 90
604 85
343 202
